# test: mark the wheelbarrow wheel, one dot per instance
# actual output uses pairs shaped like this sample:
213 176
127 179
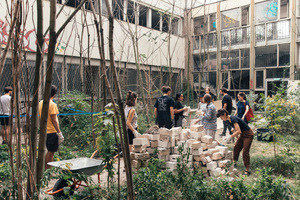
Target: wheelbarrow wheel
61 183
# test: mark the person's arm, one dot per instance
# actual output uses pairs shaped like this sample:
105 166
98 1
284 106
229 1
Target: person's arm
129 119
196 122
225 106
246 111
180 110
55 122
236 111
155 112
237 130
172 112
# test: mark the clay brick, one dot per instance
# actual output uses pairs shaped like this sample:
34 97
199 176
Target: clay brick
228 155
142 156
165 131
196 145
204 146
155 137
190 142
195 135
141 141
139 149
150 150
217 156
184 135
208 159
215 172
207 139
147 136
197 158
213 145
176 131
197 128
176 150
163 151
153 144
174 157
164 138
212 165
223 163
212 151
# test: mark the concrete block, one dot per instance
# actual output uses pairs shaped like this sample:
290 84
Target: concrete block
215 172
165 131
163 144
197 128
167 157
142 156
184 135
217 156
150 150
197 152
153 144
164 138
205 160
212 165
212 151
213 145
141 141
223 163
139 148
228 155
196 135
208 159
147 136
175 150
171 165
176 131
207 139
136 164
190 142
155 137
204 146
174 157
222 149
163 151
197 158
196 145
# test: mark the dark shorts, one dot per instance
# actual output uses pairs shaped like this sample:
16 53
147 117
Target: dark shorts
130 136
52 142
4 120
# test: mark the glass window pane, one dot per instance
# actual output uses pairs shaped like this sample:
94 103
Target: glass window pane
213 22
230 59
266 56
240 79
225 36
212 39
143 15
196 42
259 79
212 61
245 58
278 73
225 80
155 20
284 54
266 11
175 22
230 18
284 9
260 33
200 25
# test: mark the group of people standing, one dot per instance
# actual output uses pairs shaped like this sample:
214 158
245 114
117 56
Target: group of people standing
169 113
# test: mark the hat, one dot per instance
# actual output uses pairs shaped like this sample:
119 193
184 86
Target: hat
201 95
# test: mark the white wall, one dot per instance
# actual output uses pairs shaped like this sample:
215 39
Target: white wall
69 41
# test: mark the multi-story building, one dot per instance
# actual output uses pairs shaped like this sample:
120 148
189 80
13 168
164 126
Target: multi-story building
246 45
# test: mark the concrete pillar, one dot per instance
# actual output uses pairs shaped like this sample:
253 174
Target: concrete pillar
219 47
149 18
252 47
293 45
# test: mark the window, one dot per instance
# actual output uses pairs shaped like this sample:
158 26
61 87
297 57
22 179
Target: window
260 33
230 59
245 16
155 20
245 58
118 8
278 73
225 80
165 23
212 61
212 22
73 3
200 26
131 11
259 79
266 56
175 23
266 11
284 9
210 79
143 15
284 54
212 40
230 18
200 62
236 36
196 42
240 79
278 30
225 37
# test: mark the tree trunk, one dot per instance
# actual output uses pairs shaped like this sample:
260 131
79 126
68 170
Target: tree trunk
120 104
35 101
44 115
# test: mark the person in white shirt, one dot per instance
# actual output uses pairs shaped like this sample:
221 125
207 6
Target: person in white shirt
4 113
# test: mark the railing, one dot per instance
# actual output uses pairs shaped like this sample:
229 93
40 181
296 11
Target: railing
273 31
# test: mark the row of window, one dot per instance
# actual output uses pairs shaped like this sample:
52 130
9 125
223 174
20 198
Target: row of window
264 12
266 56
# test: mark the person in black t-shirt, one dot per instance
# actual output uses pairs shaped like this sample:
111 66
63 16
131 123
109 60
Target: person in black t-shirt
245 138
227 105
178 110
164 112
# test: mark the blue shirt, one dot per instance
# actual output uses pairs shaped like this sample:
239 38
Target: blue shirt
241 108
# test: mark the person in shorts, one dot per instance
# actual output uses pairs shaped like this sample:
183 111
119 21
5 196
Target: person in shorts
4 114
53 130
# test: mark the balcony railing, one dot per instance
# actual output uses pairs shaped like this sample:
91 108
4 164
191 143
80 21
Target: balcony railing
273 31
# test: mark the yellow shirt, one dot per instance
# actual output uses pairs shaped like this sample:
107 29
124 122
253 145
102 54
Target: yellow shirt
53 110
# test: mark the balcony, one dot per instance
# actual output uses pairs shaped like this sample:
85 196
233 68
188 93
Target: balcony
273 31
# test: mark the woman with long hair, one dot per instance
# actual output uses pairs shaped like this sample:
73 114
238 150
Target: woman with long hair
178 110
242 107
209 117
131 117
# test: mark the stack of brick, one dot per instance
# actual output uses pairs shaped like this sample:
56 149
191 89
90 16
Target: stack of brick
204 153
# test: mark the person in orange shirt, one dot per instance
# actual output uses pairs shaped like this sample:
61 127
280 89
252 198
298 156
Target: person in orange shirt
54 135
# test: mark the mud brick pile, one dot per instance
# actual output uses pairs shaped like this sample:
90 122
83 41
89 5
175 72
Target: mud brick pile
204 153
